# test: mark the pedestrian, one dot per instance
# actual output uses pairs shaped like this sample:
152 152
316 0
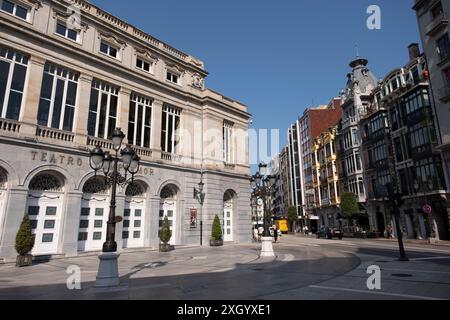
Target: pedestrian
275 233
306 230
260 233
255 234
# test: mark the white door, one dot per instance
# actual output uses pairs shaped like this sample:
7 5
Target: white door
133 223
228 222
167 208
45 217
92 227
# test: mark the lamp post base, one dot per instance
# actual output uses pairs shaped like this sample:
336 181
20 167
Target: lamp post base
267 247
108 270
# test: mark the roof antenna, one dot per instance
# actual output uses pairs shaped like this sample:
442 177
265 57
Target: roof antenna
357 50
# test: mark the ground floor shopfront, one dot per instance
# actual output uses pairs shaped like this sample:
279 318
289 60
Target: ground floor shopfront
414 222
69 206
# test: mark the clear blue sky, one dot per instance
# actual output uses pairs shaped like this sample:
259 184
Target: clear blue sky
277 56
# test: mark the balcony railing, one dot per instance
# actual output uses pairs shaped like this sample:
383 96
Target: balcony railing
143 152
170 157
102 143
9 126
437 24
54 134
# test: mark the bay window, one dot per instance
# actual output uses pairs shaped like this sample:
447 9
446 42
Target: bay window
102 109
169 126
63 30
227 132
139 121
58 98
13 70
14 9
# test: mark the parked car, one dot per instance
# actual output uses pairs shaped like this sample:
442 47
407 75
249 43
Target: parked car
329 233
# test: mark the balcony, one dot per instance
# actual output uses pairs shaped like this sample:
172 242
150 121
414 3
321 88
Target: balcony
376 136
102 143
9 127
422 114
144 153
54 134
436 25
171 157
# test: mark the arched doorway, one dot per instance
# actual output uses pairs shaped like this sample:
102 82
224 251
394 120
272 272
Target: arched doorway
134 215
94 214
168 208
228 214
44 207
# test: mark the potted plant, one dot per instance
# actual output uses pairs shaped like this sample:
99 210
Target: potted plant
24 243
164 235
216 235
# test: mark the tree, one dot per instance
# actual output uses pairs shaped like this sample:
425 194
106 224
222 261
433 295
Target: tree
24 237
292 217
165 234
349 205
216 229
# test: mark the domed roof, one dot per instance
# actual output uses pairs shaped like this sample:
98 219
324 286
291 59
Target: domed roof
362 76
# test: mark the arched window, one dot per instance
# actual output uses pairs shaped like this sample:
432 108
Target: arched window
46 182
96 184
136 189
3 179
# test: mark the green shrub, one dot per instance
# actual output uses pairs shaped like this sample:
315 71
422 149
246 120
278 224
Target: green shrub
216 229
165 234
24 237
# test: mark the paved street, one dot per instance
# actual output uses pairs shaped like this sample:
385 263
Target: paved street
305 268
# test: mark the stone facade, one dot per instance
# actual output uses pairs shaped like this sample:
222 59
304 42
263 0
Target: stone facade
177 128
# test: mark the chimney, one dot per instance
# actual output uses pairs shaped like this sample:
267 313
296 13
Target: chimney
414 51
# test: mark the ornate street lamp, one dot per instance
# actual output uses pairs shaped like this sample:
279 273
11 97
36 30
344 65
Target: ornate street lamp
262 185
108 274
200 196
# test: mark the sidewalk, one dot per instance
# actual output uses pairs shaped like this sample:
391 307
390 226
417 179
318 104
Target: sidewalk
444 243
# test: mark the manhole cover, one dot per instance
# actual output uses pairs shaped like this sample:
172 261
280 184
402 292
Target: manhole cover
258 269
402 275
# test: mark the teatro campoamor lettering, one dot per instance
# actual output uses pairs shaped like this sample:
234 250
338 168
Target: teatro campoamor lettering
66 160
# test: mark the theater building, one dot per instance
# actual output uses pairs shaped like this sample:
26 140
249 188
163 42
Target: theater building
70 73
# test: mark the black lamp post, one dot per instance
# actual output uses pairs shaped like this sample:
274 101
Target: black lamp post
396 202
200 196
262 185
100 160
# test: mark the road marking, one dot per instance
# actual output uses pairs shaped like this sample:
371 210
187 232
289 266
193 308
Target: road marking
199 258
414 270
430 258
288 257
377 292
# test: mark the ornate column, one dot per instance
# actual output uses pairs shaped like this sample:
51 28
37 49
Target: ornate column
81 121
33 93
155 140
152 222
16 208
123 112
71 223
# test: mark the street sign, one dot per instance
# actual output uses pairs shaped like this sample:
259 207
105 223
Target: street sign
427 209
118 219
